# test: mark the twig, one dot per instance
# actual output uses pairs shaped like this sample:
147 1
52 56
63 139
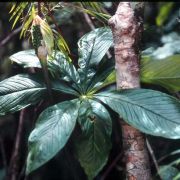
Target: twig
88 20
14 163
8 37
152 155
114 162
53 19
3 154
39 10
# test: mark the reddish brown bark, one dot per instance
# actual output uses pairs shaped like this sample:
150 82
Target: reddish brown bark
127 28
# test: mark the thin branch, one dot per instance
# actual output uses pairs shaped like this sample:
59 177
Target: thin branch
53 19
39 10
8 37
152 155
88 20
109 169
14 163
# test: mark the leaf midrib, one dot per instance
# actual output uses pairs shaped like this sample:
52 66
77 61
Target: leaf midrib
28 89
130 102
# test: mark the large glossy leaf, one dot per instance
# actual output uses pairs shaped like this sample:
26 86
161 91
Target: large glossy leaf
65 69
26 59
165 72
18 92
64 87
101 75
92 48
151 112
94 144
53 129
58 64
22 90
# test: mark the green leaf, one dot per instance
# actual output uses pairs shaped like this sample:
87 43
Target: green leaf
58 64
18 12
62 86
100 78
53 129
177 177
164 13
18 92
167 172
164 72
23 90
47 35
151 112
26 59
28 20
93 46
94 144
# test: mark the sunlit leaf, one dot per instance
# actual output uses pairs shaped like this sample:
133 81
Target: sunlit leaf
53 129
150 111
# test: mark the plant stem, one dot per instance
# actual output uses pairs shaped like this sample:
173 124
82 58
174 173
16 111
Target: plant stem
152 155
114 162
127 28
88 20
9 36
14 163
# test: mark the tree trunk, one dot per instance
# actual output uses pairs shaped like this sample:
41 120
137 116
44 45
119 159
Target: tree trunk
127 27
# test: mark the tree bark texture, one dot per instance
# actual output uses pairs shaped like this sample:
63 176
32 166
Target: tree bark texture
127 27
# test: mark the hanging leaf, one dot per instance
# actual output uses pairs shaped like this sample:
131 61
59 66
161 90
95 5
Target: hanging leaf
53 129
151 112
28 20
94 144
47 36
164 13
17 12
